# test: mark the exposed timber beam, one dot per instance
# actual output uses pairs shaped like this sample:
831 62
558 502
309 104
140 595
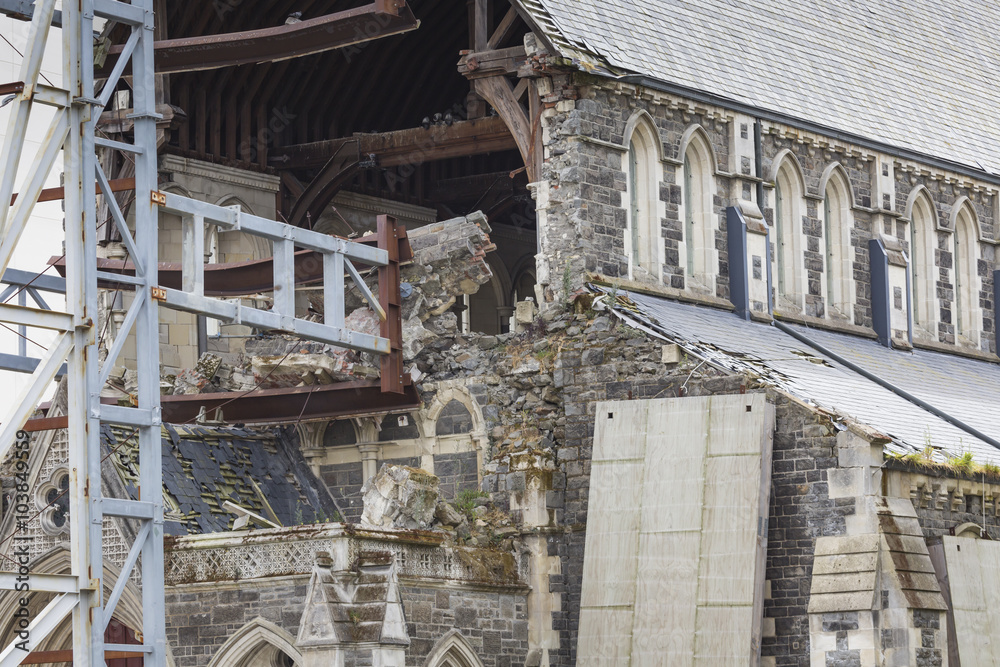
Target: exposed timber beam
322 189
479 64
503 30
413 146
307 37
498 91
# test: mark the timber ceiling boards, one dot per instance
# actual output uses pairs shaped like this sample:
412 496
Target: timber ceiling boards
386 84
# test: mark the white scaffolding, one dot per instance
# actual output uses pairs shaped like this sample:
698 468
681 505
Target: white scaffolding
72 131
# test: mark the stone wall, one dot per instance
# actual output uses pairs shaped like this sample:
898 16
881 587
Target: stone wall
945 500
495 624
805 451
200 618
583 222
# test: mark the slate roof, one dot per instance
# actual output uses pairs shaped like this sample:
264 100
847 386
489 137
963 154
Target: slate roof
203 466
964 388
916 74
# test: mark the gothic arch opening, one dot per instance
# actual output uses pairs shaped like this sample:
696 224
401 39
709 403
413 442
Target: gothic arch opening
923 269
965 275
788 265
838 265
697 210
643 241
259 643
453 650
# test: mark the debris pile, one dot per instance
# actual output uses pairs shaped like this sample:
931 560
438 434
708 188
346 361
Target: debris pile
407 498
449 262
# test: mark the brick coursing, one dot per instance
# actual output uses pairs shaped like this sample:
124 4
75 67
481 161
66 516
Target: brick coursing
457 473
494 624
199 621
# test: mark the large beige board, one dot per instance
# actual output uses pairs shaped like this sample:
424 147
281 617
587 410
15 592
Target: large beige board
676 534
973 567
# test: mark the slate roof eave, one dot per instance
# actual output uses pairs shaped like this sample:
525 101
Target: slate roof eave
956 137
962 387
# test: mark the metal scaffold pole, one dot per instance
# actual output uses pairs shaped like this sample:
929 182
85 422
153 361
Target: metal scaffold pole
78 106
83 595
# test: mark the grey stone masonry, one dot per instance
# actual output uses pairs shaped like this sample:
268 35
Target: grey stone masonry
200 619
805 450
495 624
457 473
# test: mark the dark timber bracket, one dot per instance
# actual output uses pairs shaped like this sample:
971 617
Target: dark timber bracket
328 182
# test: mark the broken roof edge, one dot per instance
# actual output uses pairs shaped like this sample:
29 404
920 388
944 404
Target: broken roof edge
545 27
714 358
591 61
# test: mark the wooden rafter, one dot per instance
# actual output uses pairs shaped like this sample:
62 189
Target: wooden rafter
412 146
324 33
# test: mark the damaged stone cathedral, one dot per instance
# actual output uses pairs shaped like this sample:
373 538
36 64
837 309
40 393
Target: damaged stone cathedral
698 338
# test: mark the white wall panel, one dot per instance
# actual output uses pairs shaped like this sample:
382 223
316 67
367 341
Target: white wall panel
676 532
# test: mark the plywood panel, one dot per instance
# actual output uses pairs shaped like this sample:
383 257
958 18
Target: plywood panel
723 637
611 646
727 572
675 453
674 558
975 591
664 611
612 544
620 430
735 424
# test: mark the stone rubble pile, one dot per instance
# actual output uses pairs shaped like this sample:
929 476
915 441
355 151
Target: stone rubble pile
400 497
449 262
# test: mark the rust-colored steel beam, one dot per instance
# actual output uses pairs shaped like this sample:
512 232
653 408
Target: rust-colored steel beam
55 194
8 88
238 279
277 406
46 424
284 405
391 375
378 19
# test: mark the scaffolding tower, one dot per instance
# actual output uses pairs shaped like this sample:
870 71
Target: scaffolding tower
81 594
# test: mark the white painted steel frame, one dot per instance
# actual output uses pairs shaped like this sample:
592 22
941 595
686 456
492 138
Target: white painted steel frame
72 131
337 256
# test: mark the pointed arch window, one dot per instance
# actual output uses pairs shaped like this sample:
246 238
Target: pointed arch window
788 269
453 650
838 264
644 243
923 270
700 223
965 260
